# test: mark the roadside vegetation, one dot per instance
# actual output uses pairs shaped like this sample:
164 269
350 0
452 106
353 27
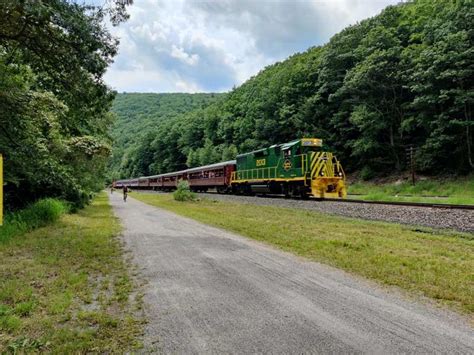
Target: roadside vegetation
39 214
425 262
65 288
458 190
183 192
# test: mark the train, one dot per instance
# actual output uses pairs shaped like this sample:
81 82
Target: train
299 168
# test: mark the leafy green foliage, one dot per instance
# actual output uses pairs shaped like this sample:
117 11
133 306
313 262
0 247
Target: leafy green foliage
404 77
135 151
54 106
183 193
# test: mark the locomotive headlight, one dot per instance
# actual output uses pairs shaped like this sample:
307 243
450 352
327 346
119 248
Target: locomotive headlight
322 174
340 174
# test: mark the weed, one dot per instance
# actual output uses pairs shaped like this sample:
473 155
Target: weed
24 309
10 323
23 344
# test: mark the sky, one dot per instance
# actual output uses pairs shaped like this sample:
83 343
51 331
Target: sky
214 45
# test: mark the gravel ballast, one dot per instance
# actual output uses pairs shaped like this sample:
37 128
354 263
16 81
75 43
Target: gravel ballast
457 219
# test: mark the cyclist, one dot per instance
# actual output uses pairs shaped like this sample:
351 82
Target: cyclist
125 193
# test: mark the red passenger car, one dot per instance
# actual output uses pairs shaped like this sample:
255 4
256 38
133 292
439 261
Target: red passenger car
214 176
211 176
143 182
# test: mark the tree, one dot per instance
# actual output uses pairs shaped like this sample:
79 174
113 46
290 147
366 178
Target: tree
54 106
376 92
229 153
443 82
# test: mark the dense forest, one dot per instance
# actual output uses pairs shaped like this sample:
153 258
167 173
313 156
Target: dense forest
402 78
137 117
54 105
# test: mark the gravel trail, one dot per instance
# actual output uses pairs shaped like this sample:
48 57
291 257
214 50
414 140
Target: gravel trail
210 291
461 220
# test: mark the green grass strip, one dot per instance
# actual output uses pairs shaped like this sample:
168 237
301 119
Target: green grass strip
432 263
458 191
66 288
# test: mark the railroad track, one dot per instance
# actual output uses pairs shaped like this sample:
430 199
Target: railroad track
432 215
371 202
399 203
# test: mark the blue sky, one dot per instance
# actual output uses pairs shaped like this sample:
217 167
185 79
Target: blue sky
211 46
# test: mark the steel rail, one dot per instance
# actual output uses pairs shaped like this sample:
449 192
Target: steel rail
371 202
401 203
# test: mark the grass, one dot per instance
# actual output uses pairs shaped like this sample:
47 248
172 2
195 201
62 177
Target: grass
431 263
39 214
67 289
450 191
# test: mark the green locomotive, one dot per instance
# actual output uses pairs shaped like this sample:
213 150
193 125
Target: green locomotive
298 168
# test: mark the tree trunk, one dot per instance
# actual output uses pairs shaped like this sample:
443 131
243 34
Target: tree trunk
394 150
467 116
469 149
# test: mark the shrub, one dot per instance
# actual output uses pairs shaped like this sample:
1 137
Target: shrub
367 173
42 212
183 193
78 198
39 214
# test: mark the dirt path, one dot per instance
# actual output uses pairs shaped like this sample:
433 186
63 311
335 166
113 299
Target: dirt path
210 291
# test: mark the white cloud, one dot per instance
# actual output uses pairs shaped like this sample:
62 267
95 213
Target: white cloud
191 45
179 53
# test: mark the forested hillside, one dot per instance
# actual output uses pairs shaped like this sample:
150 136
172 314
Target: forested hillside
54 104
404 77
138 115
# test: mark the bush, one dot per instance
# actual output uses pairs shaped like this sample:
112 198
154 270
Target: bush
183 193
39 214
78 198
367 173
43 212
